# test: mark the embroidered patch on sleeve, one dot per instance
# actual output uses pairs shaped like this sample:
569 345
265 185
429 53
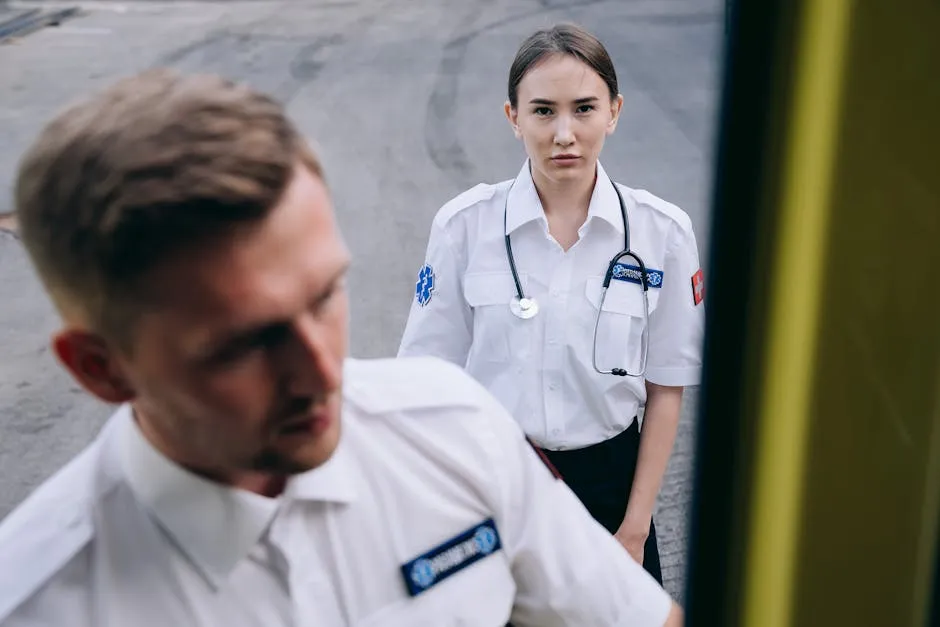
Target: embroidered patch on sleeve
424 287
698 287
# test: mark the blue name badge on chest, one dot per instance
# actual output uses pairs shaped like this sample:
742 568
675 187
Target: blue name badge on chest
433 567
631 274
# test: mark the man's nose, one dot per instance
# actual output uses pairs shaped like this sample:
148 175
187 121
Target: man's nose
311 367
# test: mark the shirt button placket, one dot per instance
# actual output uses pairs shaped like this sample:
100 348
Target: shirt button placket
554 349
312 594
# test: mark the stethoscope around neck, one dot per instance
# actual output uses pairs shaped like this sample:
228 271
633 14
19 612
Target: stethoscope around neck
526 308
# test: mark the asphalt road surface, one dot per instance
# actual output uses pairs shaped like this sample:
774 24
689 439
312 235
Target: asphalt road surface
404 101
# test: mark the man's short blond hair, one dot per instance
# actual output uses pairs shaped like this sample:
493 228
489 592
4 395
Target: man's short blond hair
153 164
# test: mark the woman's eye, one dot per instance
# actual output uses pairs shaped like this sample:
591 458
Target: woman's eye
543 111
585 108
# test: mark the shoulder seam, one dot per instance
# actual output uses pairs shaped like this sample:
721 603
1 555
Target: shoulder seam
478 193
363 396
10 604
51 547
672 211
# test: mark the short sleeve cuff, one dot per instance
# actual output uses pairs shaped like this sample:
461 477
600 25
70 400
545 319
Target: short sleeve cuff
685 376
656 605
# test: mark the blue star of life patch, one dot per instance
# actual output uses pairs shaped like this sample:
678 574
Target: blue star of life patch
631 274
424 287
464 549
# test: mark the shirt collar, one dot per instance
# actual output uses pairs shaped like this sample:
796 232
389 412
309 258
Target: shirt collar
524 205
605 204
215 525
335 481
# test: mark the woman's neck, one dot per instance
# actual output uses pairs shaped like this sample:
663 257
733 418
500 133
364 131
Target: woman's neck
565 198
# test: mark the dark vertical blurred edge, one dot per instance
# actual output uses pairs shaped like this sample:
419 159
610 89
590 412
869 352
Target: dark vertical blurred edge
933 619
754 94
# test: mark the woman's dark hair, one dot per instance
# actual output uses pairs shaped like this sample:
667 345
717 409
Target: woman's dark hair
562 39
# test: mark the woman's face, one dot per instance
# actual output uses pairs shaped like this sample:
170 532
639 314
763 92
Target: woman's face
564 113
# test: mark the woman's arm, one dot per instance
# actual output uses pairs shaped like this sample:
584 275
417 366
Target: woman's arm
660 423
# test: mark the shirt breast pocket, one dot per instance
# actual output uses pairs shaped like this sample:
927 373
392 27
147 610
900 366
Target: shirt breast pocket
498 335
620 341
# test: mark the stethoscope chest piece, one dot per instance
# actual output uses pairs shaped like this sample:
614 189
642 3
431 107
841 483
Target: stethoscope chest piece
524 308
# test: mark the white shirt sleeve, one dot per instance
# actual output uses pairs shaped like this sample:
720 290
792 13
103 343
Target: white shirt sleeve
440 323
677 324
568 569
63 600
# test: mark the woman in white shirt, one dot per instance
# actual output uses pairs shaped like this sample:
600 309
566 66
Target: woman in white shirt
512 289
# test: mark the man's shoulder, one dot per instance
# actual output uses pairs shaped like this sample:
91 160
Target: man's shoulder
413 413
43 534
380 386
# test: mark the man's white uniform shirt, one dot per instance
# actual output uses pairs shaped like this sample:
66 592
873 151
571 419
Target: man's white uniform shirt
433 511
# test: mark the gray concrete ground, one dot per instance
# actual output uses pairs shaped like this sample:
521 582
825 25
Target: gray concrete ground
404 100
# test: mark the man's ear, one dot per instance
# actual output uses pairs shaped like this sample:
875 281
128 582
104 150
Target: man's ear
93 363
513 116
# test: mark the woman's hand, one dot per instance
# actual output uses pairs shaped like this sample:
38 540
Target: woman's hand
633 538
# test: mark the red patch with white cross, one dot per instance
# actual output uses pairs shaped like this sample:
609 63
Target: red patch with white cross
698 286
